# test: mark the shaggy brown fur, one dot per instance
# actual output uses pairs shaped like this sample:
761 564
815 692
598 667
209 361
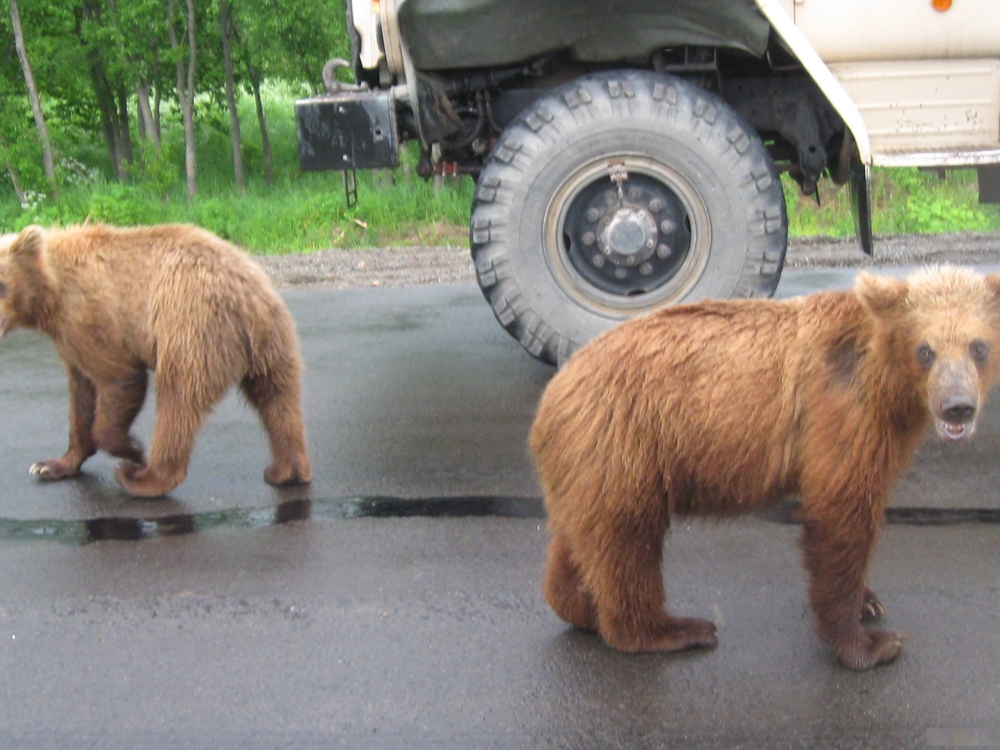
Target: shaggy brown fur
721 408
173 299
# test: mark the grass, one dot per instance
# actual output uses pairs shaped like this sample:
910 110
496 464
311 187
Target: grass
304 212
904 201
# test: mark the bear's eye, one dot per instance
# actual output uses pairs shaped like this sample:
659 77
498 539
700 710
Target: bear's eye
925 355
979 350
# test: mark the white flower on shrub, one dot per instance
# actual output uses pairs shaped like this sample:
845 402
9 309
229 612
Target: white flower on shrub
78 173
32 200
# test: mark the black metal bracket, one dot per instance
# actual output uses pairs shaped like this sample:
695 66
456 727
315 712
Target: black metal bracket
351 187
861 204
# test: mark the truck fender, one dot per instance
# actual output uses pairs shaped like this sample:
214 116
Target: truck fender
860 180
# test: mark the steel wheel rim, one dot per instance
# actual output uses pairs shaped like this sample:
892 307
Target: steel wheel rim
599 293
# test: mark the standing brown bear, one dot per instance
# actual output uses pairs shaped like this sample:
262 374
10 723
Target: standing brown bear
722 408
173 299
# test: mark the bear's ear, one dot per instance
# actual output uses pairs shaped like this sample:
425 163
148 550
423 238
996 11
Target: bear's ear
880 294
993 284
29 244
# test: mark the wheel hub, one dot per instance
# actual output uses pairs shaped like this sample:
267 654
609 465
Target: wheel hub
628 236
626 233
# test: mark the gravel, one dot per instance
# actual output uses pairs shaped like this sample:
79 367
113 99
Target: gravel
409 266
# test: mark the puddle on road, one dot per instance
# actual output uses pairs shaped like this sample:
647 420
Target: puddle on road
787 511
79 533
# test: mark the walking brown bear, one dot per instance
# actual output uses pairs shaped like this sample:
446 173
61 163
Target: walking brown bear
722 408
173 299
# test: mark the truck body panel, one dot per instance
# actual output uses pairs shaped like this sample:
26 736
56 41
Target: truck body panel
461 34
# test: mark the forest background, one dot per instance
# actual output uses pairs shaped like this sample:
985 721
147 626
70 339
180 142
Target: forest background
147 111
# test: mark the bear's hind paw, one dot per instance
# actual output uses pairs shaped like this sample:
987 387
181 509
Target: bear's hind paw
688 632
672 634
284 476
879 647
141 481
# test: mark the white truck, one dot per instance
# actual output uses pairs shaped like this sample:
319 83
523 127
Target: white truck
627 153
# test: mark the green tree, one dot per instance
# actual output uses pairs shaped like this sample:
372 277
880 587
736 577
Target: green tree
34 98
226 30
185 90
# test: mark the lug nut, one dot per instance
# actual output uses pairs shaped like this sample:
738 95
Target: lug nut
589 238
634 194
667 226
656 205
611 197
593 214
621 273
663 251
598 261
646 268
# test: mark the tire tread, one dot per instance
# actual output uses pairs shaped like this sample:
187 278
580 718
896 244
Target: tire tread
597 97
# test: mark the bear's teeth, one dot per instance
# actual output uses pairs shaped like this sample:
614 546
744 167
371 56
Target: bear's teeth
954 432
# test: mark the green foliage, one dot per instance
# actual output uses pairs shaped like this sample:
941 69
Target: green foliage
91 56
904 201
155 169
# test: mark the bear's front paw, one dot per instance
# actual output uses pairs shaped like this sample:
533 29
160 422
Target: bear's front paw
876 647
53 469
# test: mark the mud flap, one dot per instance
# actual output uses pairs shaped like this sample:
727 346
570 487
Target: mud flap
861 204
989 183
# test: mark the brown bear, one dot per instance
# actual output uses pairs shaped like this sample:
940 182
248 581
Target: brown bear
722 408
173 299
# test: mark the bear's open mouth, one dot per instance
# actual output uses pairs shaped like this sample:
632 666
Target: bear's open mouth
955 433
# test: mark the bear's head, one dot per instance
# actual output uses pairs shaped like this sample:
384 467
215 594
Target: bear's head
942 326
27 287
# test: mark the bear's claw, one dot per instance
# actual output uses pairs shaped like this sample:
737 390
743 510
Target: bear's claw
871 608
51 470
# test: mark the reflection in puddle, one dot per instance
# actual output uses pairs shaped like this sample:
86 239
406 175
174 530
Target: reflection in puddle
77 533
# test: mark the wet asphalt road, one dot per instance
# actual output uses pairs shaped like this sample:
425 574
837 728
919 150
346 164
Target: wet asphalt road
233 615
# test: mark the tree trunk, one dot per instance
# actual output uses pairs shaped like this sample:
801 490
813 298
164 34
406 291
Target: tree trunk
156 104
18 190
147 125
185 95
234 119
36 104
140 122
109 113
124 132
15 180
119 96
265 141
110 103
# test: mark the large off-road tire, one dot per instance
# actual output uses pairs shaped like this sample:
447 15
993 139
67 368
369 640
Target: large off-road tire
614 195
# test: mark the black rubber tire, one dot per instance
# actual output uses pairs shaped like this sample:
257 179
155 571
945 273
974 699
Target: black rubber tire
676 133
